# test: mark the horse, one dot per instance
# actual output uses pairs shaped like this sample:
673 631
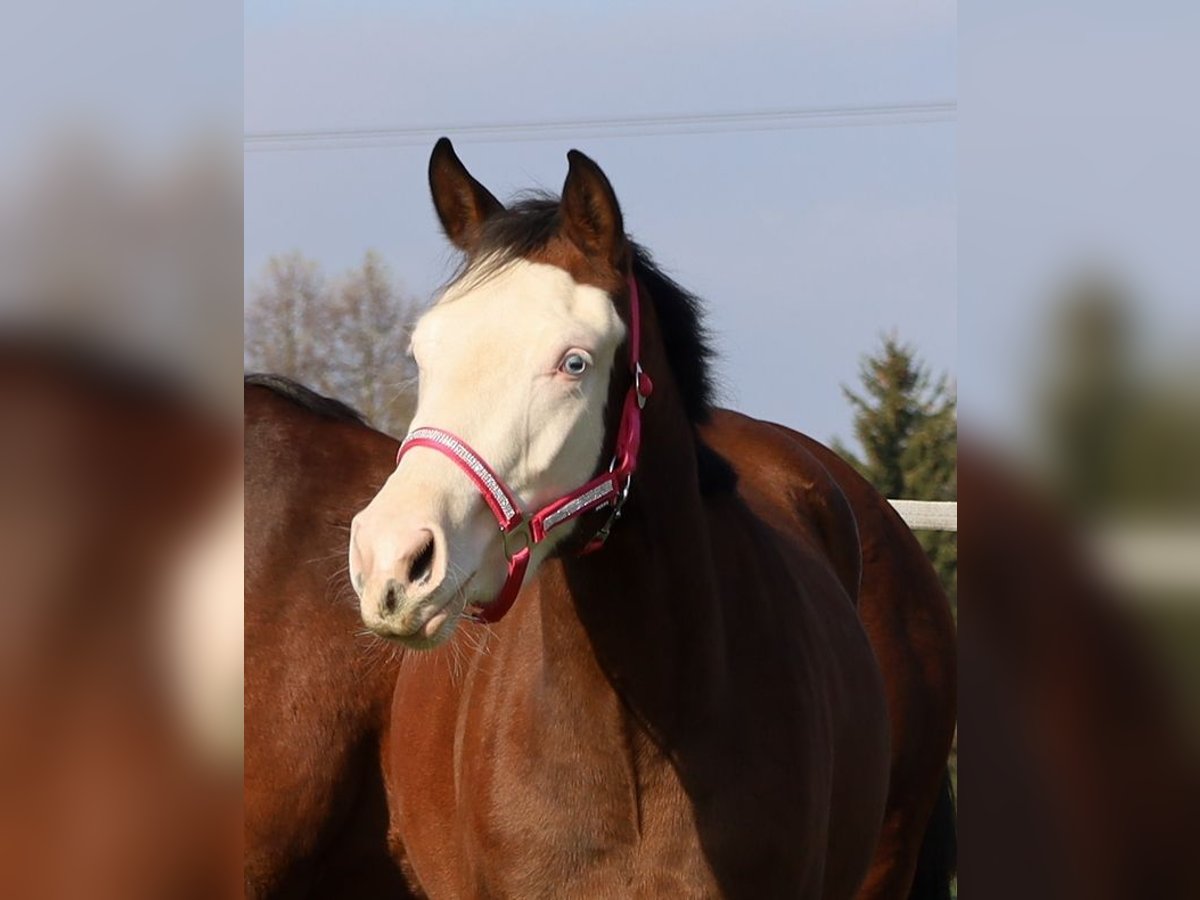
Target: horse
683 700
317 693
117 781
908 621
315 437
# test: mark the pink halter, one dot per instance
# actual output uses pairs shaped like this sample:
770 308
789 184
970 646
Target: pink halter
520 532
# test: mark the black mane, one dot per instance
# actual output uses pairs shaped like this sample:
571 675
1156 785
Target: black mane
686 339
305 397
529 224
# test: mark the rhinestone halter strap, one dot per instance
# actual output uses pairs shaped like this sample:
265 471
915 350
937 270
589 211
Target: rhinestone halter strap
522 532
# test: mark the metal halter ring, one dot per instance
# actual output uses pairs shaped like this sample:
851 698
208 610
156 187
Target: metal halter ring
517 539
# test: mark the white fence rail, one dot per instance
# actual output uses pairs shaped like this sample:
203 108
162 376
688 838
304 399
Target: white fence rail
928 515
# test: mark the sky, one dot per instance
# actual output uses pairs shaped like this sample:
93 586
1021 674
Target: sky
806 244
1077 149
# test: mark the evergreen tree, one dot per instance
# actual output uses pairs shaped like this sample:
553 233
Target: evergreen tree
907 426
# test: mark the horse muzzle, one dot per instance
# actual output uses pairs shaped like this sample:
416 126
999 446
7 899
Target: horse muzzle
399 575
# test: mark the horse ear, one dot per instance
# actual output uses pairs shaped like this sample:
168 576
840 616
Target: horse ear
462 203
591 216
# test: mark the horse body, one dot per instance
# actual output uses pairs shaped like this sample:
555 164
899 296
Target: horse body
317 692
112 787
794 483
694 711
907 618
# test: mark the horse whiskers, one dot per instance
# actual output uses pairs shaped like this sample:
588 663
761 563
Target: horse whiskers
456 654
456 662
340 594
325 561
406 389
477 640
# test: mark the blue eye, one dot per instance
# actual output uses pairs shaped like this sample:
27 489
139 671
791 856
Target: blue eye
573 364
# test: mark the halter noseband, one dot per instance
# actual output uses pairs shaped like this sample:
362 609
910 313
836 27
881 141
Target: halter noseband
521 532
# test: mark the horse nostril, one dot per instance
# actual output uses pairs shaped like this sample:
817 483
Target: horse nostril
422 564
389 599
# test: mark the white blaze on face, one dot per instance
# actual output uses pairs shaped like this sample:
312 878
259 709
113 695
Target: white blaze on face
491 357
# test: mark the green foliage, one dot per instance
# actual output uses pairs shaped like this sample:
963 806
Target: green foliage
906 424
1118 426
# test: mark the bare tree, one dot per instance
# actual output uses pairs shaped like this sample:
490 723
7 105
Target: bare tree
371 324
347 339
281 319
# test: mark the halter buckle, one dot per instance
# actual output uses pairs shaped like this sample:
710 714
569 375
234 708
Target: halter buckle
517 539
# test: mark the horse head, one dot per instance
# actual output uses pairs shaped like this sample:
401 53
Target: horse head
518 361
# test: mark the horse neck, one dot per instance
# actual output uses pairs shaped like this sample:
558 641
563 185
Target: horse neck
646 603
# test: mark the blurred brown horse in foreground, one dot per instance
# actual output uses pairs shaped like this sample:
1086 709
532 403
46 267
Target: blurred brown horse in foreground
116 780
1085 760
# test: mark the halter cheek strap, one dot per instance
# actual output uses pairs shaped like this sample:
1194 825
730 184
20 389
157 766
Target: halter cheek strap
522 532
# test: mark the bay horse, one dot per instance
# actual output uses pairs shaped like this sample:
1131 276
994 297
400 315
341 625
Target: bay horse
317 693
295 439
908 621
692 710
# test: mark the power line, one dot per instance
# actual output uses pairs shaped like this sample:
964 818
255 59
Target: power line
628 126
